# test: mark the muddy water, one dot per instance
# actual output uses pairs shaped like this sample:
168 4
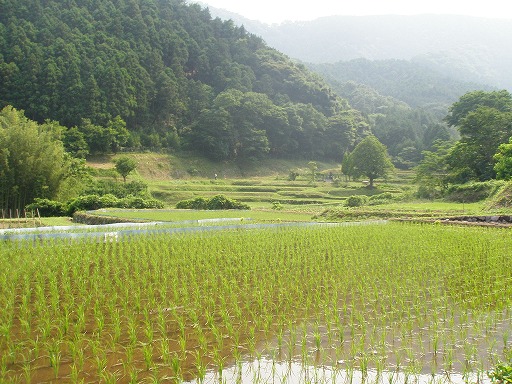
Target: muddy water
316 354
270 371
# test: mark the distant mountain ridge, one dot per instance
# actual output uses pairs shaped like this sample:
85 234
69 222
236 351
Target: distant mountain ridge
411 82
469 49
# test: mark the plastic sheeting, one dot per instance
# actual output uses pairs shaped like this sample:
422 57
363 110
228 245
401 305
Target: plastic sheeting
108 232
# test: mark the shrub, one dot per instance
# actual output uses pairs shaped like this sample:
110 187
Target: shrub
277 205
381 198
292 176
215 203
197 203
47 208
428 192
139 203
93 202
501 374
356 201
84 203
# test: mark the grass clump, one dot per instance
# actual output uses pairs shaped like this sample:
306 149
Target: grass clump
503 198
474 191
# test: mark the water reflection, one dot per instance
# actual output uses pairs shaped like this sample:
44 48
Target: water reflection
272 372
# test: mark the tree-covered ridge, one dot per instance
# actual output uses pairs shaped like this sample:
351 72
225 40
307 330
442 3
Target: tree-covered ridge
408 81
160 66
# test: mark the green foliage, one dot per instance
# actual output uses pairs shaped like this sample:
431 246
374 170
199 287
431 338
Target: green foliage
483 120
473 192
277 206
93 202
432 172
90 202
501 373
164 74
47 208
197 203
370 159
356 201
292 176
125 165
503 158
404 103
214 203
502 198
33 162
120 190
471 101
402 80
382 198
313 167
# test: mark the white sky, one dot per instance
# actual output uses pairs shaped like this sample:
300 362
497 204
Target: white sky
277 11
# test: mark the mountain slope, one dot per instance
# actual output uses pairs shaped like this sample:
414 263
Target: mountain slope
171 72
413 83
466 48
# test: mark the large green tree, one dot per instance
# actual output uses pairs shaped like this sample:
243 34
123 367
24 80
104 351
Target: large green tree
370 158
469 102
484 121
503 158
482 131
33 162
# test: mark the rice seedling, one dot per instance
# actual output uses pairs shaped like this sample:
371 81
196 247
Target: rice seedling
366 300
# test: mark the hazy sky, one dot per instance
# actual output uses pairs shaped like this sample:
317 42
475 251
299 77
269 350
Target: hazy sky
276 11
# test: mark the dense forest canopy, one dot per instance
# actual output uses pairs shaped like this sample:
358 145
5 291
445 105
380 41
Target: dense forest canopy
171 73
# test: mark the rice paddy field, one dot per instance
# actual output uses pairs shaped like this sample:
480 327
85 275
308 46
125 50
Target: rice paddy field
388 303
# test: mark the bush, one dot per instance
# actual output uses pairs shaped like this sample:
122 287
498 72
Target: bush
356 201
84 203
428 192
292 176
197 203
47 208
139 203
215 203
382 198
473 192
93 202
277 205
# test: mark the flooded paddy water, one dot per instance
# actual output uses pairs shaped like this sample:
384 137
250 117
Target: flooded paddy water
394 303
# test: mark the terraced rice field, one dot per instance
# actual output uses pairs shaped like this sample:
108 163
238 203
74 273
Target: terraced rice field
385 303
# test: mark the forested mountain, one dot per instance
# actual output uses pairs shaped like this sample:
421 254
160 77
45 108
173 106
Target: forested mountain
177 77
414 84
401 72
469 49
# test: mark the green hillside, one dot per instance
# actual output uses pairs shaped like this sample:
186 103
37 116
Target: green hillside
174 75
